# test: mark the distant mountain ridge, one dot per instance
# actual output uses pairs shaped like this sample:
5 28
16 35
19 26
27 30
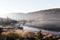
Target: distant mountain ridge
33 14
44 19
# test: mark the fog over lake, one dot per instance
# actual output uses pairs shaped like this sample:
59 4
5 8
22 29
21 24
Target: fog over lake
26 28
43 19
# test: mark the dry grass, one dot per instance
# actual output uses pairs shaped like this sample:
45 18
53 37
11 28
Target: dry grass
18 34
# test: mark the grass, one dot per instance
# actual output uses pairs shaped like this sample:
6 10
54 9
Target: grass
26 35
20 35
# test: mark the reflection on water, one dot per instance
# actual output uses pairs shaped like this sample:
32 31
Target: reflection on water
36 29
30 28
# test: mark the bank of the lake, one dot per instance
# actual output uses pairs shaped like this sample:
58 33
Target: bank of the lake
26 28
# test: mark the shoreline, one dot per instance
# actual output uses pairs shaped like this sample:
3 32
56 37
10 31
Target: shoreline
51 32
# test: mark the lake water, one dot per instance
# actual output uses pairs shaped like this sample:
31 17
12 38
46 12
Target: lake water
52 32
26 28
36 29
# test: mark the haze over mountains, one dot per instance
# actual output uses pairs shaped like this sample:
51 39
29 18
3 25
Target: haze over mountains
46 19
43 14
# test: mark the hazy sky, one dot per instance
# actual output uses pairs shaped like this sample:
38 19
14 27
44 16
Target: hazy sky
16 6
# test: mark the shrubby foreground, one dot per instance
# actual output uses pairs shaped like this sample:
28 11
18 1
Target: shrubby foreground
27 35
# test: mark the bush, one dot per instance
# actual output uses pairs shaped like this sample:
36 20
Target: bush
20 35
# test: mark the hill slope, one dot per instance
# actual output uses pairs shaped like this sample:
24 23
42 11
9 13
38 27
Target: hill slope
45 19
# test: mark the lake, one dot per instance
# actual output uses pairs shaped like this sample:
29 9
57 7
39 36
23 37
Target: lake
26 28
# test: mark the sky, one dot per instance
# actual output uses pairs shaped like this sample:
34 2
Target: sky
25 6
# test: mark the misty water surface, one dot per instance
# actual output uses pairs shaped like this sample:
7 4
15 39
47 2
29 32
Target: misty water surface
26 28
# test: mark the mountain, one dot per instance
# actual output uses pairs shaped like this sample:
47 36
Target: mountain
45 19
